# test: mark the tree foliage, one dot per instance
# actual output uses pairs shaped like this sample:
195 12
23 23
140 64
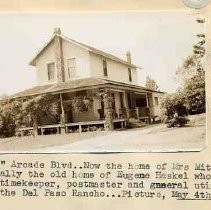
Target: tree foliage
174 103
16 113
151 83
191 94
10 117
194 94
82 104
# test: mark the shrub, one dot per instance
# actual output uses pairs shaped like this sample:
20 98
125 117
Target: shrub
16 113
194 93
173 103
10 118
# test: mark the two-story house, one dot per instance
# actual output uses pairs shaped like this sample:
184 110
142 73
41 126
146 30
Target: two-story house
69 68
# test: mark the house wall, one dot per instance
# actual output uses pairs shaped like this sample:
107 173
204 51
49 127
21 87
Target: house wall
46 57
116 71
117 102
82 60
69 51
91 115
83 117
157 108
87 65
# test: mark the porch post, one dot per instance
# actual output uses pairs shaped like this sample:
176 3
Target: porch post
108 111
125 100
147 99
35 125
137 113
62 117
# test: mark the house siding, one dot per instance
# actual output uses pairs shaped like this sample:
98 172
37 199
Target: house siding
157 108
82 60
88 65
48 56
82 117
91 115
69 51
116 70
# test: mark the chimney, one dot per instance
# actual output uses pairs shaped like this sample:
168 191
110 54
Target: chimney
128 55
59 55
57 31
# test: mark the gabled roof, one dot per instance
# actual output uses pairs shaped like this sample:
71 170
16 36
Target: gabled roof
89 48
76 85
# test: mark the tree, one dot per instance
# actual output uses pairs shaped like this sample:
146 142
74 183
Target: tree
194 64
35 107
82 104
151 83
15 113
194 86
107 100
10 117
192 77
174 103
194 94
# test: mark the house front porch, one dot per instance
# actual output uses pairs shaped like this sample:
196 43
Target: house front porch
102 106
78 127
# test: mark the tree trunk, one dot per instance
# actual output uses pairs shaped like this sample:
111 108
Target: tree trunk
108 111
62 116
35 126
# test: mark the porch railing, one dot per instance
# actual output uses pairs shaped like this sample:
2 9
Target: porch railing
136 113
143 111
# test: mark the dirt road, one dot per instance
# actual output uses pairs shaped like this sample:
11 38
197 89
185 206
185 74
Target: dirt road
153 138
156 138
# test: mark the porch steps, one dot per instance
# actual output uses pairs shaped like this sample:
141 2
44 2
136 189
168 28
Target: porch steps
134 123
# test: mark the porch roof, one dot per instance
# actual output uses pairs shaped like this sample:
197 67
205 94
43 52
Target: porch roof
79 84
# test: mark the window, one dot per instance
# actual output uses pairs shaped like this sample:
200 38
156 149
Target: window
71 67
156 101
51 71
105 69
130 74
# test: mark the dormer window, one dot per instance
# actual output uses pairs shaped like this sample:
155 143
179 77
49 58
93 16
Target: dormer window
130 74
105 69
71 67
51 71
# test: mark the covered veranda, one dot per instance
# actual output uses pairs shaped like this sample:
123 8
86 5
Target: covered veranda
113 104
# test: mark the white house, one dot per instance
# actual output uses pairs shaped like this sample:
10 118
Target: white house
80 61
68 68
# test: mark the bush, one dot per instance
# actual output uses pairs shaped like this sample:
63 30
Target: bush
174 103
17 113
10 118
189 99
194 93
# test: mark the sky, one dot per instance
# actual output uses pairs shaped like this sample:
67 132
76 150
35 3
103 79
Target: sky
158 41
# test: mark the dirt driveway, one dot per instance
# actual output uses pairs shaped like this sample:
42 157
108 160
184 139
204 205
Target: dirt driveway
155 138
